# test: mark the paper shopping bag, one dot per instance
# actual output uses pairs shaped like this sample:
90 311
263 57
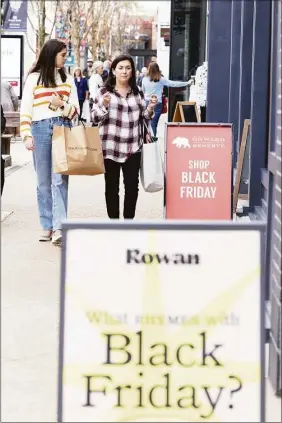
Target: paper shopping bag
77 150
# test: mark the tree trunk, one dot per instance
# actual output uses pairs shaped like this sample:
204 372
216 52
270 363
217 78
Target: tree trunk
93 36
42 22
75 33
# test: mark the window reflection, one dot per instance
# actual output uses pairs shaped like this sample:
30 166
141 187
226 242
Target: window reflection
187 47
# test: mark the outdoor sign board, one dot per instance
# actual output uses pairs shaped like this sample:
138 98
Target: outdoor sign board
15 15
158 325
198 171
186 111
12 61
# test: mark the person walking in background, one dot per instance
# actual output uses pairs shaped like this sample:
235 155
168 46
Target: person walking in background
153 84
88 71
49 98
107 66
138 74
9 102
144 72
9 99
118 108
95 82
82 88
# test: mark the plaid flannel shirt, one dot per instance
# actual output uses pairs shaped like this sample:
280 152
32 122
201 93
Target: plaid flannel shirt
119 123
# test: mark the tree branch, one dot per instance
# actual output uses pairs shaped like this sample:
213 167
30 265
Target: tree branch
55 16
31 24
28 43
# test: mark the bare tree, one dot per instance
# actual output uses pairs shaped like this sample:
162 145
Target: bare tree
83 20
41 24
96 35
99 24
125 10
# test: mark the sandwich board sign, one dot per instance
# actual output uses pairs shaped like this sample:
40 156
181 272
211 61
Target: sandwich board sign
198 171
186 111
154 325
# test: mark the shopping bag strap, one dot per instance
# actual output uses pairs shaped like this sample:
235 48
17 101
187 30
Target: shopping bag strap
143 123
149 132
81 121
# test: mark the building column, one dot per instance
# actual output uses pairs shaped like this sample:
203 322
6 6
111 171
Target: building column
233 109
246 46
219 43
260 97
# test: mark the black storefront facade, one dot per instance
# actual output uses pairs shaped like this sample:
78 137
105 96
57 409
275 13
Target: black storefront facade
241 40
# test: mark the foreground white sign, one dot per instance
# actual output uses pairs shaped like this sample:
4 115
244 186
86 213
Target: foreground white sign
161 323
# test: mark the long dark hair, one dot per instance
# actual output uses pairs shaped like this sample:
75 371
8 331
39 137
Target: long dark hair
46 63
154 72
111 80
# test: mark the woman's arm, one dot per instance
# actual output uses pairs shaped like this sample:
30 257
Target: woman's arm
27 106
99 111
175 84
70 108
147 112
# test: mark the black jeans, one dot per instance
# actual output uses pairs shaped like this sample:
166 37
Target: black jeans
130 170
81 107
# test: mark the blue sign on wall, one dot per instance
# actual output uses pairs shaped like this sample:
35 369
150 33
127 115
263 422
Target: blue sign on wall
15 15
70 61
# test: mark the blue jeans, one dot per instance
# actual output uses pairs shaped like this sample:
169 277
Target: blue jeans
52 188
155 120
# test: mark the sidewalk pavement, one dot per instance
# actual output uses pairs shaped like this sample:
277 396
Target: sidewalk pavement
30 289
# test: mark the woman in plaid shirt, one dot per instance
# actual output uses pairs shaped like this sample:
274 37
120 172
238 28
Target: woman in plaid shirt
118 109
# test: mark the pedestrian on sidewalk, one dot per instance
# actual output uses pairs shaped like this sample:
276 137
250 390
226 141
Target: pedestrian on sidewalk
9 102
144 72
118 108
88 71
153 84
95 81
106 70
49 98
82 88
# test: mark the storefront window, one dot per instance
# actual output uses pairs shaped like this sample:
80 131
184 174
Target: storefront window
187 45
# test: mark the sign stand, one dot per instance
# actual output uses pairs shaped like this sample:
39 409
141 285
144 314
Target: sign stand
186 111
243 167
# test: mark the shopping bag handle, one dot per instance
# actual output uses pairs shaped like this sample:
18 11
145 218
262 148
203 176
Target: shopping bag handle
70 125
152 137
81 121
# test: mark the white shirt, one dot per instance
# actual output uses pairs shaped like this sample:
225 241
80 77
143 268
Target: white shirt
95 83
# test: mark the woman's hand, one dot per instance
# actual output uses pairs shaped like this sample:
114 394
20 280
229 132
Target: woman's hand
29 143
152 103
56 100
106 99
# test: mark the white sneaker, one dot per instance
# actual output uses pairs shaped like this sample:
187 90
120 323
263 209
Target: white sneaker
57 237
